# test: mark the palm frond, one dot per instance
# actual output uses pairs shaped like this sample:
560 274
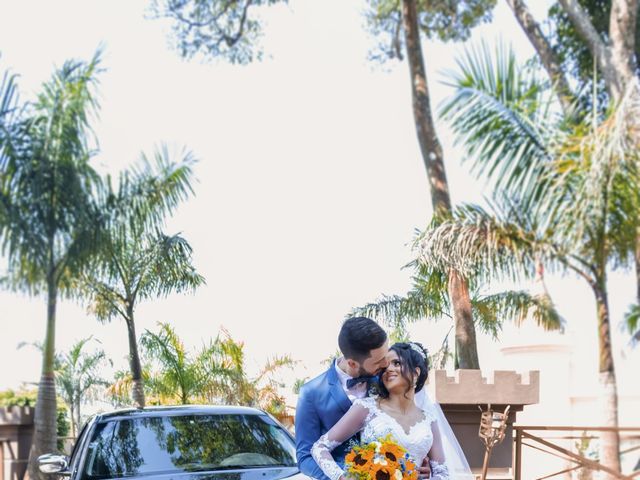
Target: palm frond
174 375
427 299
516 306
274 365
500 114
169 267
152 189
8 100
599 161
483 246
46 180
632 323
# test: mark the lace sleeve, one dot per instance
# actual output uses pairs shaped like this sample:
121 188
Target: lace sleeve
437 460
350 424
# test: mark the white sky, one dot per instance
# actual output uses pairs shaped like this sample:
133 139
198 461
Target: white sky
310 179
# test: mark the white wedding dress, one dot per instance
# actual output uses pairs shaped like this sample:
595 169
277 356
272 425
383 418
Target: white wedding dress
365 416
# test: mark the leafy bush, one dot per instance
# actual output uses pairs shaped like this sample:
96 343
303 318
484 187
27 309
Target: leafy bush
27 398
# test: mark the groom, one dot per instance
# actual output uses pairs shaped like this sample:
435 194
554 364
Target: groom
326 398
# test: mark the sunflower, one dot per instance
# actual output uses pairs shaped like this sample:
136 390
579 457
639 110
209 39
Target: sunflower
392 451
382 472
359 459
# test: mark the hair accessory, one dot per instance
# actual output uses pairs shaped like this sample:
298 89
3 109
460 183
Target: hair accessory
416 348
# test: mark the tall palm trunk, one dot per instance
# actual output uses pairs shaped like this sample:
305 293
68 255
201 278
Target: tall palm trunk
466 347
432 155
45 431
78 419
72 414
134 362
610 441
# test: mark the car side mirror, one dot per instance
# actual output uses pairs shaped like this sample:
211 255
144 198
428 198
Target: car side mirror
52 463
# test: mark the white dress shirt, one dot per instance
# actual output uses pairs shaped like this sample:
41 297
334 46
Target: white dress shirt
357 391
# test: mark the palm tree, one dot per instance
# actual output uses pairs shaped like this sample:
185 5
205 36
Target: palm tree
46 216
224 361
214 374
77 376
428 299
571 195
176 376
137 261
433 158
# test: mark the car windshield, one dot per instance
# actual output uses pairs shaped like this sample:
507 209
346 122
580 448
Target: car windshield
166 444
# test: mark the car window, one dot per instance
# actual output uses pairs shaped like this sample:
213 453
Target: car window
74 458
154 445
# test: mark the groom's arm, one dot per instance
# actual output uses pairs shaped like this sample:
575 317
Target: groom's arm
308 431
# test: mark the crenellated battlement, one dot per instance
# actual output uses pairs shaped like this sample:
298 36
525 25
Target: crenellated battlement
501 387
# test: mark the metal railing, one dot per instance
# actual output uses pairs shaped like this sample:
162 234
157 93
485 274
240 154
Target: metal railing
575 460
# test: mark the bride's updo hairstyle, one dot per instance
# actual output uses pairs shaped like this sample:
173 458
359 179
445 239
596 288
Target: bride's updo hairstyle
412 355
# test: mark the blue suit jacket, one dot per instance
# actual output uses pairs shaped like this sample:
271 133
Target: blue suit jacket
322 402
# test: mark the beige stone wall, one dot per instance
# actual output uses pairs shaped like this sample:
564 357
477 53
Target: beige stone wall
16 430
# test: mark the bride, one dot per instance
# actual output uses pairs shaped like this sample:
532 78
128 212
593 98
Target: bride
394 411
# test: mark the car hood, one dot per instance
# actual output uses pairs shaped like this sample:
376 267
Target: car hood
280 473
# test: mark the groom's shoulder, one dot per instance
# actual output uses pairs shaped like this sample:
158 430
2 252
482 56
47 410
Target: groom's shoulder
315 384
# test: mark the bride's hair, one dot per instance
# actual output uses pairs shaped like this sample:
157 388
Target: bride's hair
411 355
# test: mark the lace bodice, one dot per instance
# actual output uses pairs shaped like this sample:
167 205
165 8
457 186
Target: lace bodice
367 417
378 424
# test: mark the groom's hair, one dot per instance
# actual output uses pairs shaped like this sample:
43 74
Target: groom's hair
358 336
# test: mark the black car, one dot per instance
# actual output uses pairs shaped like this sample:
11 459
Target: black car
185 442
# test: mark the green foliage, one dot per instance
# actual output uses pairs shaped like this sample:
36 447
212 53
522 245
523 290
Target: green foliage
46 216
587 218
632 323
441 19
62 425
48 220
78 376
428 299
27 398
297 385
21 398
500 113
229 29
216 373
517 306
329 360
136 260
8 100
574 53
173 374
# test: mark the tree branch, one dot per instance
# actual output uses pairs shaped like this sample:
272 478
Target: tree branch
622 32
549 59
233 39
599 50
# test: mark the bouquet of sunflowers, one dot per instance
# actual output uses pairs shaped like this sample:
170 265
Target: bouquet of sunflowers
380 460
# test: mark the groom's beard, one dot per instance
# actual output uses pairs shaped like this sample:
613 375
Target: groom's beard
363 373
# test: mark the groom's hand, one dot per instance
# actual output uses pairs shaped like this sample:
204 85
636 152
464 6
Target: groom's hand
424 470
